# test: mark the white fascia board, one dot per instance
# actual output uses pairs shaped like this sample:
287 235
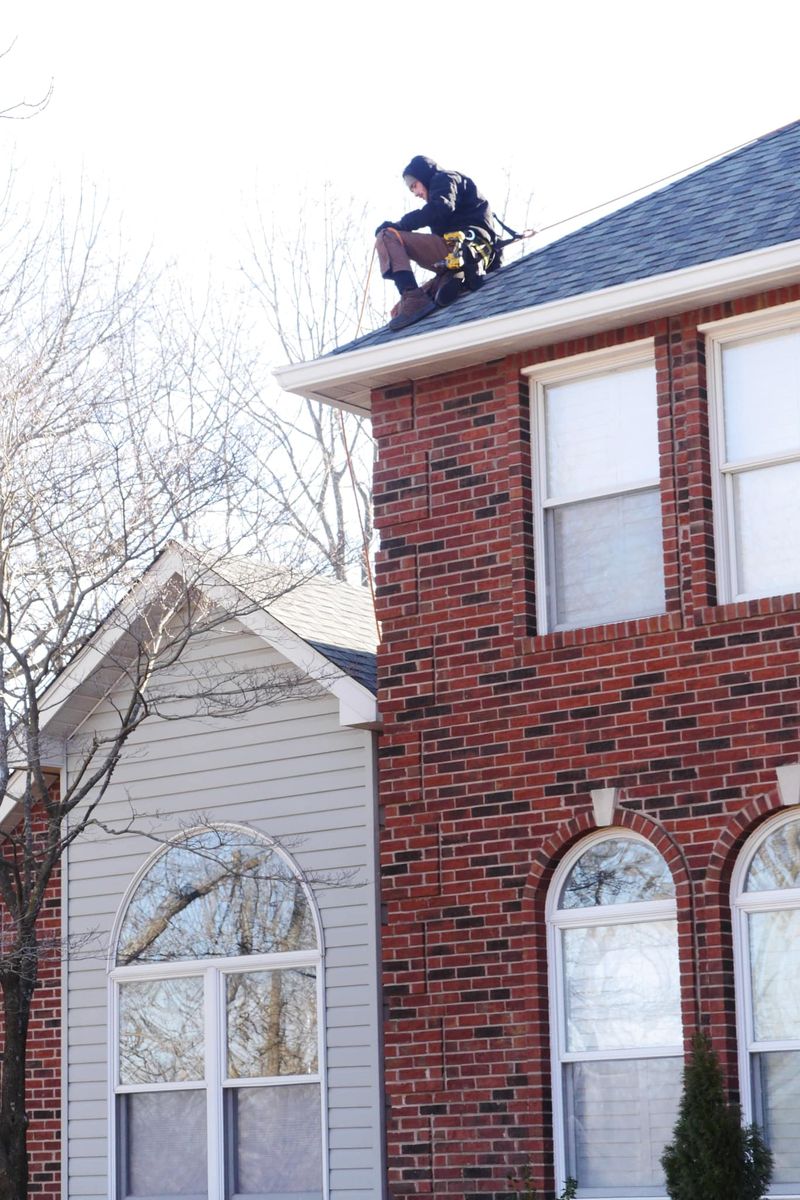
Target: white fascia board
357 705
346 380
9 807
95 652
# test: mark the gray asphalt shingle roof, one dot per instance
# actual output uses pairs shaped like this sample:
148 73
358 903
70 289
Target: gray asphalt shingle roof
746 201
335 618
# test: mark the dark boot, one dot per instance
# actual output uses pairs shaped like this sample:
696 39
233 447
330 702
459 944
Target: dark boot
449 290
414 305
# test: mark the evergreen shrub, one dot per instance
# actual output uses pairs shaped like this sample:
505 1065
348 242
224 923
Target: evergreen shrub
712 1156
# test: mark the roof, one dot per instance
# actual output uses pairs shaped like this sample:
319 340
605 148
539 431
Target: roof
745 201
336 619
690 240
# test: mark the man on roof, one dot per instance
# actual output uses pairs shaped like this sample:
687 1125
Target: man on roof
451 203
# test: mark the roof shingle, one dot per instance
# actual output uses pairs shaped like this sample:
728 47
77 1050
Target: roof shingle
747 201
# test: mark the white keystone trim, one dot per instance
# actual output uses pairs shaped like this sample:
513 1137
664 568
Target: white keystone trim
604 802
789 783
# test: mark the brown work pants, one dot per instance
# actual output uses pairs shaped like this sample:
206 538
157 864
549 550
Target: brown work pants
398 249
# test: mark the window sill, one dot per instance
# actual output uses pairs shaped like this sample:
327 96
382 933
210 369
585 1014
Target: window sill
765 606
588 635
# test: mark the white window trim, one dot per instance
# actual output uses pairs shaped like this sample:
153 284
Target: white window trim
558 919
577 366
212 970
742 904
718 335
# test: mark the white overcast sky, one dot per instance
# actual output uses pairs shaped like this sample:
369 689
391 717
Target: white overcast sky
183 113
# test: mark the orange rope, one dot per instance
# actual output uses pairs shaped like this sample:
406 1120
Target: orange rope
364 544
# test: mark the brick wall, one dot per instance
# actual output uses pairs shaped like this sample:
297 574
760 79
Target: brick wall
44 1053
495 735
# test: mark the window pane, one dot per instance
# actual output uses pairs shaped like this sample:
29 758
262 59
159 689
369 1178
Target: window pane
276 1138
601 433
777 1088
272 1023
767 520
621 986
776 863
607 559
775 974
617 871
761 385
163 1137
220 892
620 1116
161 1031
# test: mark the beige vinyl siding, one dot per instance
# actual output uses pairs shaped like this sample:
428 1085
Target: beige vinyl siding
291 772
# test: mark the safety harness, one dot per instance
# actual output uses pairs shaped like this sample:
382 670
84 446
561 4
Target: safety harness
472 253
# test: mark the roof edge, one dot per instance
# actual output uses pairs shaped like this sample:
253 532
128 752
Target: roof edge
346 380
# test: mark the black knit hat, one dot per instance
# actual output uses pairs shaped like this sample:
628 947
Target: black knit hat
420 168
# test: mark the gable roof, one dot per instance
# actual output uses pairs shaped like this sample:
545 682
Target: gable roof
331 641
733 211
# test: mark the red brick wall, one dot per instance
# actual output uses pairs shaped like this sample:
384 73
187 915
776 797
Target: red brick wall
495 735
44 1053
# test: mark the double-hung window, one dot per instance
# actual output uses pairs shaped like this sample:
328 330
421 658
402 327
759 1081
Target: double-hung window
766 902
215 994
615 1016
754 395
598 531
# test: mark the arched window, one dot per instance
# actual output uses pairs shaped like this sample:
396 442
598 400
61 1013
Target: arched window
615 1015
216 995
766 902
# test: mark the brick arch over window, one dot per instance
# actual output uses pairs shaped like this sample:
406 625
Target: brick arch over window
715 965
545 859
739 825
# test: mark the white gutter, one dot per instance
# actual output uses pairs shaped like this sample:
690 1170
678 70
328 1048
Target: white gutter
346 380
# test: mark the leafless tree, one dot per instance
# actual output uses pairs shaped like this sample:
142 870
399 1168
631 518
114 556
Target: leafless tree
120 430
318 286
23 110
313 285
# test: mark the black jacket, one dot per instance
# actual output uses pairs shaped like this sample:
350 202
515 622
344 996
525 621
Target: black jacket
454 201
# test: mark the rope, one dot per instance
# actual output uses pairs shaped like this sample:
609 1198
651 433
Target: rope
364 543
585 212
366 293
349 457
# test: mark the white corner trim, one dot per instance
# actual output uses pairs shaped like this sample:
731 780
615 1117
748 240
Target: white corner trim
789 783
604 801
346 379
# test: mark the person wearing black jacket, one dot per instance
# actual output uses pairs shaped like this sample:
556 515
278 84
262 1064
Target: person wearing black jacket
451 202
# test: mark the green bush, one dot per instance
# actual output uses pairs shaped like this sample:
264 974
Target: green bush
712 1156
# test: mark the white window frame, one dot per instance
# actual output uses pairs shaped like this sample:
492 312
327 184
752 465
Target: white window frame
718 335
540 377
571 918
742 904
213 971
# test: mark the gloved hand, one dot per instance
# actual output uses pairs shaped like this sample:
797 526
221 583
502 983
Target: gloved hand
384 225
